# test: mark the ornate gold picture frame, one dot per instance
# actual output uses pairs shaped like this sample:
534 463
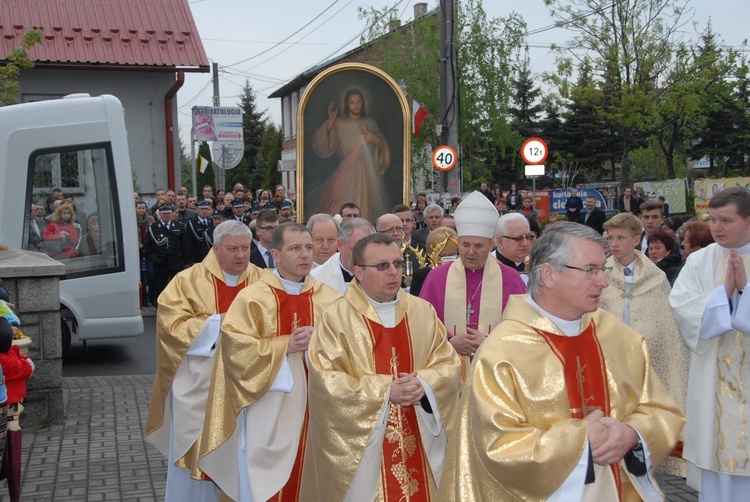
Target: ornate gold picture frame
353 142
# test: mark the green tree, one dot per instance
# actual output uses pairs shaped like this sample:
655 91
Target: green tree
17 60
253 127
270 152
629 45
186 171
488 56
526 106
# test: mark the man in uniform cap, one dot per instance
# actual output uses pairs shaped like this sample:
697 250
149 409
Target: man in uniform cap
238 210
164 248
470 293
255 211
285 209
197 244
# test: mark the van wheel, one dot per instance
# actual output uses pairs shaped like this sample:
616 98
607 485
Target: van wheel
65 332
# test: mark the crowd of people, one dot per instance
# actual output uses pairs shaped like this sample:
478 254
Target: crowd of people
458 353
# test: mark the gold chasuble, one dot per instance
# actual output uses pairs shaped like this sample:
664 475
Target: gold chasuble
185 305
521 429
255 432
365 447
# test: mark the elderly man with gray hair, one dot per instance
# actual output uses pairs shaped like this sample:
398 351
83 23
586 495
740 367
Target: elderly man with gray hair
562 402
188 323
432 216
337 271
513 240
325 233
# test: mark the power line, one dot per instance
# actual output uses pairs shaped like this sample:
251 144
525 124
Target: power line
287 38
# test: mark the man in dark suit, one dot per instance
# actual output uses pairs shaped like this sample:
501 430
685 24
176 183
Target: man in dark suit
514 239
266 223
593 217
36 230
629 203
573 206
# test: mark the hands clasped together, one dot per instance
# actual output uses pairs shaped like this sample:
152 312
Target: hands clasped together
609 439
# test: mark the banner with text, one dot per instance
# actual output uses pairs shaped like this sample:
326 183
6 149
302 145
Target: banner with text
558 197
705 189
217 123
674 192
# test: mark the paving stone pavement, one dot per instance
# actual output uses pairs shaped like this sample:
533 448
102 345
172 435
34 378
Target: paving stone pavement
100 454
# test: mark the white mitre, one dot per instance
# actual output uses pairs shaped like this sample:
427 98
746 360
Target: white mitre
476 216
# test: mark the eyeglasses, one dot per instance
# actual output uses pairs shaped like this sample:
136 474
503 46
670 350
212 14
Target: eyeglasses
386 265
268 228
521 238
590 271
394 230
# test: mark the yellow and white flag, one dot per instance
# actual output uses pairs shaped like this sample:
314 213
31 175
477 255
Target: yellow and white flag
202 164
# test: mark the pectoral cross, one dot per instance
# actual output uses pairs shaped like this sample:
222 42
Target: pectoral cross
295 322
469 311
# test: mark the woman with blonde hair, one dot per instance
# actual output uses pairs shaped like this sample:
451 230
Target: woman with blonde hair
62 235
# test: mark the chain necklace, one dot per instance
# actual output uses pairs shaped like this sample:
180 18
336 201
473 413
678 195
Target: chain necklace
469 310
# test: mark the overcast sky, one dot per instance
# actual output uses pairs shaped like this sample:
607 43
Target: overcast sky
258 42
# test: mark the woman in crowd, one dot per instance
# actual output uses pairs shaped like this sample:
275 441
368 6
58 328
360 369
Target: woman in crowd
661 252
697 235
62 235
143 219
419 212
514 199
91 243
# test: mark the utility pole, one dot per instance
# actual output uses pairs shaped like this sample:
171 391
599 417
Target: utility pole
217 102
448 126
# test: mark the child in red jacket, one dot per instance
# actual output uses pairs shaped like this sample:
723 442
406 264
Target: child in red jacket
17 368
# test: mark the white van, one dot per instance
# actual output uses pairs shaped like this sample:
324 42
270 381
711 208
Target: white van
78 144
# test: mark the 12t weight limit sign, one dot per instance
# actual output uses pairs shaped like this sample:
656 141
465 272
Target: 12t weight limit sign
444 158
534 151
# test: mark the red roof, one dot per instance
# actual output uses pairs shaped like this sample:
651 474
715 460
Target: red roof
157 34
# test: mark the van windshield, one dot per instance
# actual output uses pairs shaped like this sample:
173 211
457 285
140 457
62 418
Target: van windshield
71 216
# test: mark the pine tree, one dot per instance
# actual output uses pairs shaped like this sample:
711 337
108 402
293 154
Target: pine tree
253 127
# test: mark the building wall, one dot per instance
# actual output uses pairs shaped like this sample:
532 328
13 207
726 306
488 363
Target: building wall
142 96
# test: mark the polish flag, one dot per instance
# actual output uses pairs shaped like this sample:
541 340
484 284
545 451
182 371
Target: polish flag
417 117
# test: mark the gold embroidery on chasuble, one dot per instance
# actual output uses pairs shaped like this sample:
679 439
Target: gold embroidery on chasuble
294 311
404 470
733 371
585 376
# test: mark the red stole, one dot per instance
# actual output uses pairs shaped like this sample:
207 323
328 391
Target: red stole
585 376
403 471
224 295
294 311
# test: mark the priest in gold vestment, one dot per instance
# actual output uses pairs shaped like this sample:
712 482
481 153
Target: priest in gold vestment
190 311
255 432
561 403
383 388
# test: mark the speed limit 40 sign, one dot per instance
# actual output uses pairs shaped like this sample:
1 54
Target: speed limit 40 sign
534 151
444 158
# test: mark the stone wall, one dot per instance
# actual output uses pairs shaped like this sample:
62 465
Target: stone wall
33 280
